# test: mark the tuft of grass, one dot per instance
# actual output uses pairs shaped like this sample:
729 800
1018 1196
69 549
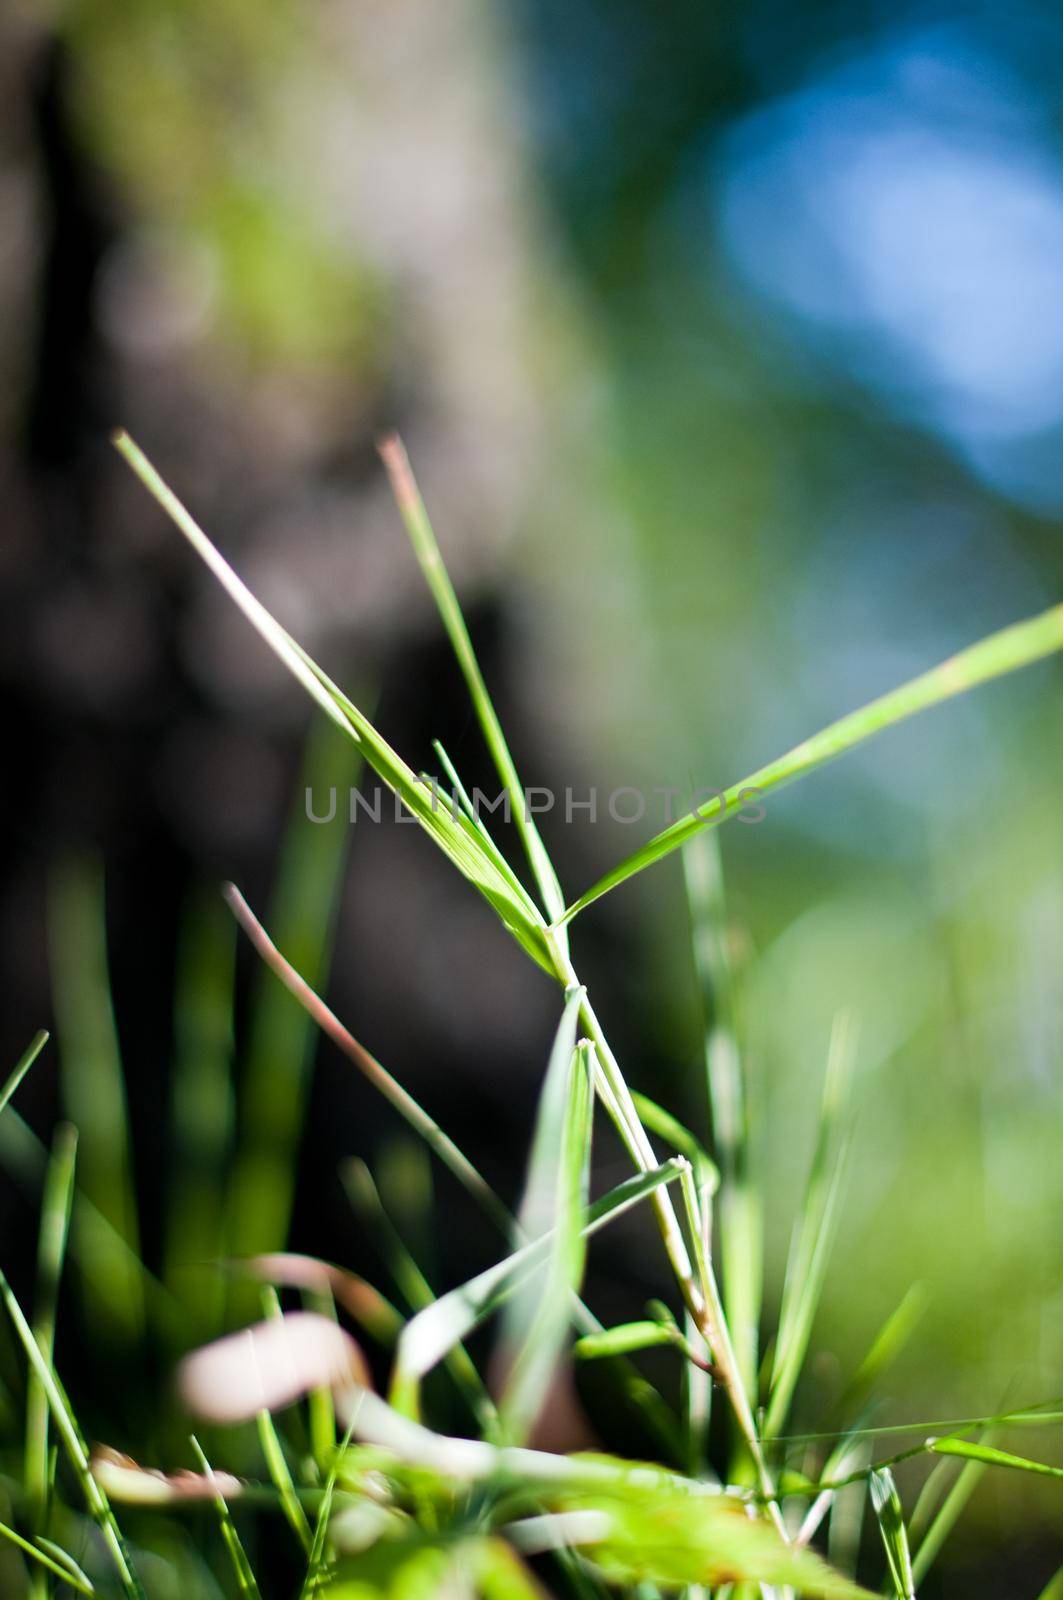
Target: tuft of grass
394 1507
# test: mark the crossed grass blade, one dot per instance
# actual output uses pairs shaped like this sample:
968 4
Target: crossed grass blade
422 536
75 1578
436 1330
451 831
98 1249
630 1388
68 1431
412 1112
455 834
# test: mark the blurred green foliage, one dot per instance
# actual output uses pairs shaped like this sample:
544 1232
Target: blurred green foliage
198 110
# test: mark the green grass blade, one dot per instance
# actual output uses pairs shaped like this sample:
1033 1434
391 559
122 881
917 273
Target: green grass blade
631 1336
928 1544
624 1338
538 1316
425 1341
201 1110
461 794
886 1504
1053 1589
280 1473
25 1062
51 1250
1017 646
741 1242
1040 1415
269 1439
95 1245
426 549
452 832
280 1049
245 1577
814 1233
318 1559
68 1431
462 798
71 1575
717 1334
991 1457
94 1096
65 1560
885 1348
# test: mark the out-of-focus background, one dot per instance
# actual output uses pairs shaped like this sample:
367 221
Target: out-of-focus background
727 342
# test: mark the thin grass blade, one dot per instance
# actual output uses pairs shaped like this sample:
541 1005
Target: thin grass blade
623 1339
280 1473
317 1563
886 1504
95 1245
739 1205
991 1457
403 1102
452 832
422 537
71 1574
1017 646
634 1391
555 1198
886 1347
814 1233
51 1251
672 1131
23 1065
946 1517
242 1570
